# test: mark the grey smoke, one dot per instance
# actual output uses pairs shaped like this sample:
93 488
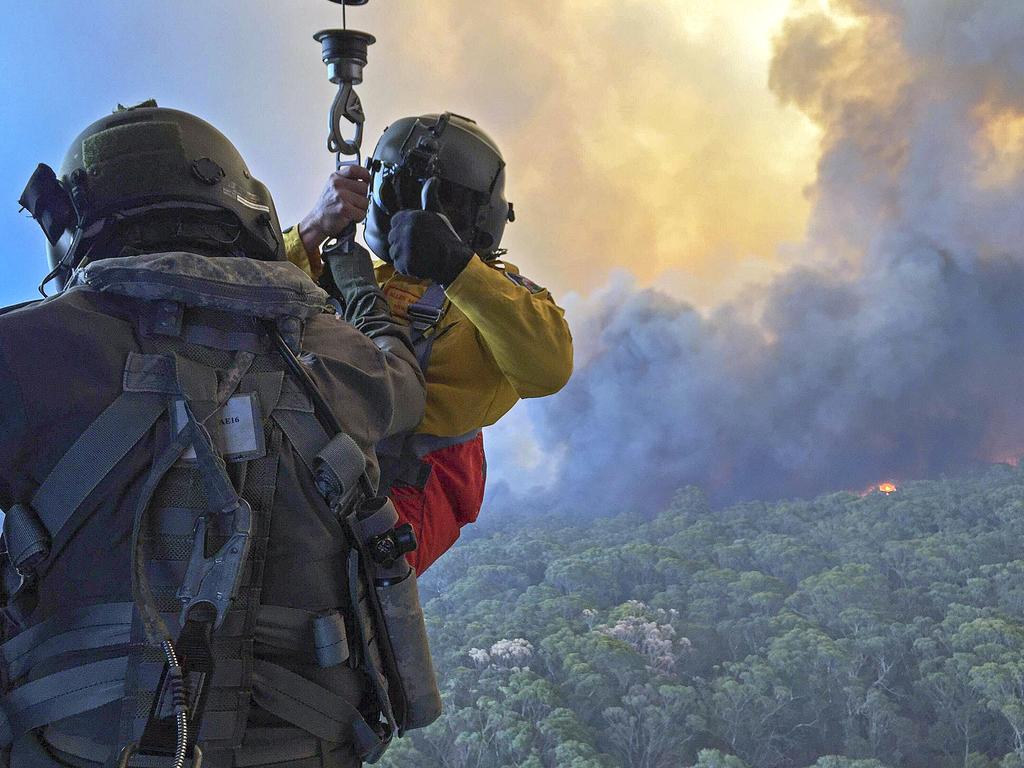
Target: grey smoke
890 349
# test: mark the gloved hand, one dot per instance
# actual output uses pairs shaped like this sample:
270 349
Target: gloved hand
422 244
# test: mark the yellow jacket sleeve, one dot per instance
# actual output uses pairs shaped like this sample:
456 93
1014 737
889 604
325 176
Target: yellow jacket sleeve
519 322
295 251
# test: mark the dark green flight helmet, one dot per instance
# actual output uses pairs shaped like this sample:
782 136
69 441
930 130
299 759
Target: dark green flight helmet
468 166
148 161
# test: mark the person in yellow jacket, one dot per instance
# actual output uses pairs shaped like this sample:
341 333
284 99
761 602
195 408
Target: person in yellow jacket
484 334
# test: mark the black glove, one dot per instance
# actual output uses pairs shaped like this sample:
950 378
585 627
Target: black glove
422 244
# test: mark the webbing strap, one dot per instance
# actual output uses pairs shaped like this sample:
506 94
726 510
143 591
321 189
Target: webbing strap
424 315
305 434
65 693
218 338
312 707
94 454
340 464
400 464
93 626
262 747
281 628
367 528
301 633
421 444
427 312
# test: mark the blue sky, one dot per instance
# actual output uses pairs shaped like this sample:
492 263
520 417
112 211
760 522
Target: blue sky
585 100
66 64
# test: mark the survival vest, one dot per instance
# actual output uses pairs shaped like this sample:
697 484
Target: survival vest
179 656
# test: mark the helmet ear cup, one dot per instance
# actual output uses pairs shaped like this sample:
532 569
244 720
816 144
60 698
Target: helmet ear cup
48 203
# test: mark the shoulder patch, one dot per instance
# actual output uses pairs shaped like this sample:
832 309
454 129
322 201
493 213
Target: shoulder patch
525 282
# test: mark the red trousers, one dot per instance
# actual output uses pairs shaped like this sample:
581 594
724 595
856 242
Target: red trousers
450 499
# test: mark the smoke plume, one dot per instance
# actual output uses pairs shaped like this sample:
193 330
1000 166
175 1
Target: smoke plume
890 348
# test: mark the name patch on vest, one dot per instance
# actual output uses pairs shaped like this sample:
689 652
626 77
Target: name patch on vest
236 429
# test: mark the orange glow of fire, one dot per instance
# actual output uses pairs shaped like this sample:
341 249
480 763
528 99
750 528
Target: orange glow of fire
886 488
1011 458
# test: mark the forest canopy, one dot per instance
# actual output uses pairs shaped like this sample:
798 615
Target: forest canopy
882 631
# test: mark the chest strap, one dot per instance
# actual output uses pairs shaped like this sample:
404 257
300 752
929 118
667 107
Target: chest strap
401 456
424 315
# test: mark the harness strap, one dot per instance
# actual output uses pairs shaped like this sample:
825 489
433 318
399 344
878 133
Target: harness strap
100 448
313 708
94 626
94 454
424 315
427 311
35 529
401 457
305 434
65 693
263 747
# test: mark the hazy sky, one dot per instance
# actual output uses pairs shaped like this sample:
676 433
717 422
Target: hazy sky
639 133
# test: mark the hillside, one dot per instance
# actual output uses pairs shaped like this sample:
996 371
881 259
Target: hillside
888 629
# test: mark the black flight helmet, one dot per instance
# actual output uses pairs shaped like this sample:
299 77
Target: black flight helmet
148 161
470 173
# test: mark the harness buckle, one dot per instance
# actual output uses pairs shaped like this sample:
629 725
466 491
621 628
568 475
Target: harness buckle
423 318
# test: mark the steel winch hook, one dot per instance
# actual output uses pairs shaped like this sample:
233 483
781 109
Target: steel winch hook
346 105
344 53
